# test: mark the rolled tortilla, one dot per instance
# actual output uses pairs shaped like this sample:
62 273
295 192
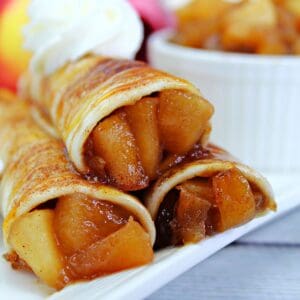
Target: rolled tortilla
11 139
78 97
37 176
226 194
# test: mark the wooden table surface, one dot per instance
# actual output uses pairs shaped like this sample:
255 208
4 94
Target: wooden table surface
262 265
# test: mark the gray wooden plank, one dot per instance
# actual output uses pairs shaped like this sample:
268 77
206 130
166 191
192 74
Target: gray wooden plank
286 230
240 272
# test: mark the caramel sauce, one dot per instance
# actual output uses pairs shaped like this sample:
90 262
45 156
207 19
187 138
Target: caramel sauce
164 222
172 160
16 262
95 164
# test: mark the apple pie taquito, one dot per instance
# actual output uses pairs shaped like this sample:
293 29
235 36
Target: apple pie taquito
121 120
56 224
202 197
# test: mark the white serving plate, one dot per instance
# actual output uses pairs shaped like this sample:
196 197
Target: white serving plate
139 283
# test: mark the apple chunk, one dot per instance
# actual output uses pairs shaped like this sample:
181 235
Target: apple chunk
126 248
191 214
81 220
115 143
248 24
200 187
293 6
32 237
234 198
142 118
182 119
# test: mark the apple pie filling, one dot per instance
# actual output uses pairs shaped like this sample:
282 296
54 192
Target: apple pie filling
81 238
200 207
130 147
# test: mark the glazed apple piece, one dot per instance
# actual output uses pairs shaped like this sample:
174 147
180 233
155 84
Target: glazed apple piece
245 26
280 41
170 161
142 118
234 199
272 44
191 213
126 248
204 10
198 21
32 237
182 119
296 47
80 221
114 142
293 6
200 187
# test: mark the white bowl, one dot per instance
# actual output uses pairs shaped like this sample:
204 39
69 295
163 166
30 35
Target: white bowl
257 99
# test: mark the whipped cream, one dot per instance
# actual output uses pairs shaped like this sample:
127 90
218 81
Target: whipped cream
60 31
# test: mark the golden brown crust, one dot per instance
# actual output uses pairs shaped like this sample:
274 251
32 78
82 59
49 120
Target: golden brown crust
16 128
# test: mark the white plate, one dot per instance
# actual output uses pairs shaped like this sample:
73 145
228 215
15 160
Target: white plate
140 282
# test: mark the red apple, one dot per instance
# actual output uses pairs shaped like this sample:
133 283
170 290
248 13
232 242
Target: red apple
13 58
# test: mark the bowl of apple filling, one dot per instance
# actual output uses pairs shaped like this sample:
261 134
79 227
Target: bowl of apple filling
244 56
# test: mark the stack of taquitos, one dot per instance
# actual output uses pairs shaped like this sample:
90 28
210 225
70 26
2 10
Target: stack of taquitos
129 125
57 224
